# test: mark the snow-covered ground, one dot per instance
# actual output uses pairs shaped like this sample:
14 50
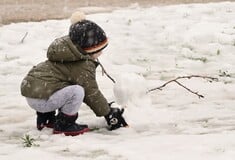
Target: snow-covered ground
148 47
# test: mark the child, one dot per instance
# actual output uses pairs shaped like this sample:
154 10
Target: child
67 79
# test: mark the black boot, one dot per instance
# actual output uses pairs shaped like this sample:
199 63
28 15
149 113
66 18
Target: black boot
45 120
66 124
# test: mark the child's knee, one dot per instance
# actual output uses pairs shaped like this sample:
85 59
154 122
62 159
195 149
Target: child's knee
79 91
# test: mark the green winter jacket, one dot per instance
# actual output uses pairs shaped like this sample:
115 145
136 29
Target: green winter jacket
66 65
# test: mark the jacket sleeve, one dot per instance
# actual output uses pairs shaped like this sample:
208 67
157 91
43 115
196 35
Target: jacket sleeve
93 96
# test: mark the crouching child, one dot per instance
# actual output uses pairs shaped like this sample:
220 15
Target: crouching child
68 78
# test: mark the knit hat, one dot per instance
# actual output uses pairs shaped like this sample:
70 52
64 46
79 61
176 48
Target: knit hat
87 34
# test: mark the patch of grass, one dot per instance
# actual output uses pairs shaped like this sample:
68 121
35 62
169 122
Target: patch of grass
142 59
7 58
224 73
202 59
129 22
28 141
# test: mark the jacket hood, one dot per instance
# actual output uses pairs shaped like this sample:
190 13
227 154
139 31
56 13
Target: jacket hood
63 50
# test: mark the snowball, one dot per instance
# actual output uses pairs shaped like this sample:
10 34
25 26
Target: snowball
129 87
77 17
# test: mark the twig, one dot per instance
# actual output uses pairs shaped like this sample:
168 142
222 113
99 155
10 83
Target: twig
180 84
104 71
22 40
199 95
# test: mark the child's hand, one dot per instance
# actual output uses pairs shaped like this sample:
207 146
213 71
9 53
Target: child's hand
115 119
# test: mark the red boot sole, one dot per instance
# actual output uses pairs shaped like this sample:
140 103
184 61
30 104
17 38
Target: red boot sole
72 133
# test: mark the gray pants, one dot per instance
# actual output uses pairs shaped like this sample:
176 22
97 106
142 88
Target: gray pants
68 100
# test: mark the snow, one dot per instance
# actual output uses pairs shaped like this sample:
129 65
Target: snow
147 47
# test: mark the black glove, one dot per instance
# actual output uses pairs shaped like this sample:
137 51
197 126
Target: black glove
115 119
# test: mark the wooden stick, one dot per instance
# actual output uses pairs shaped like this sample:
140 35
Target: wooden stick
22 40
104 72
180 84
199 95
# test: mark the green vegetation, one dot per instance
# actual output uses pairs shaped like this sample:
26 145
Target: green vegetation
28 141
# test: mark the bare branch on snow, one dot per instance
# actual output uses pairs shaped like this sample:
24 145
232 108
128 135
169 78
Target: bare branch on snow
22 40
180 84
